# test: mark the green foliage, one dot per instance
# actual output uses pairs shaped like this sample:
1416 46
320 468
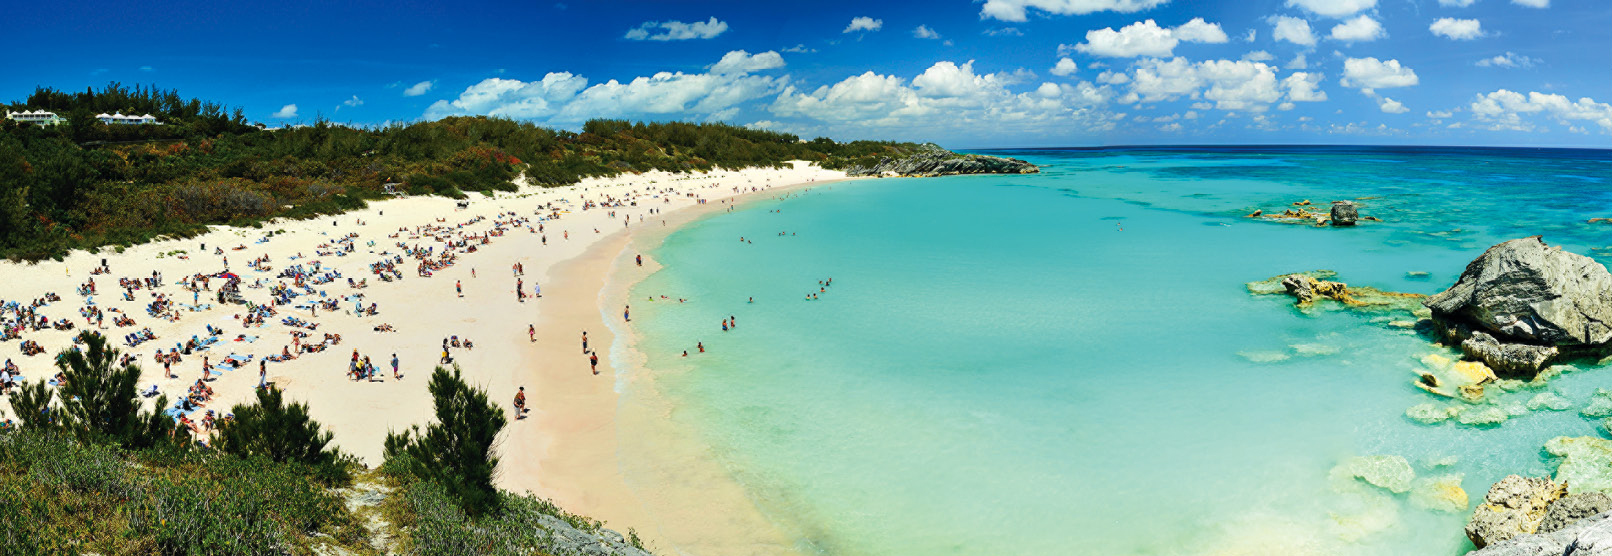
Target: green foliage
99 399
277 431
521 524
31 403
87 184
456 451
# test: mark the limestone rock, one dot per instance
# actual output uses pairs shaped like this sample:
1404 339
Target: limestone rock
1344 213
1525 293
932 160
1549 400
1431 413
1489 415
1306 289
1600 404
1572 508
1391 473
1514 506
1591 536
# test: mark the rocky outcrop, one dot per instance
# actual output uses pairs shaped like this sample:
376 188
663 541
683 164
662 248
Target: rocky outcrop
1567 511
1307 288
1513 507
1344 213
1588 537
1523 305
935 161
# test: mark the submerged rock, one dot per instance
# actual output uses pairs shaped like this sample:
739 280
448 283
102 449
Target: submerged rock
1432 413
1514 506
1600 404
1586 462
1522 305
935 161
1307 288
1550 401
1442 494
1391 473
1487 416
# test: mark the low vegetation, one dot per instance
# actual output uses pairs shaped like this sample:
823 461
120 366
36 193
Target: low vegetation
85 184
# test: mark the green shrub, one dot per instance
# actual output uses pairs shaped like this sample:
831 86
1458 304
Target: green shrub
277 431
456 451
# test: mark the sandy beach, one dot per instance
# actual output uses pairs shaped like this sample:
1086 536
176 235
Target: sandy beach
575 243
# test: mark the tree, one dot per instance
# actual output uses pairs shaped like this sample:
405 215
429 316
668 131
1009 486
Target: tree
457 450
99 398
276 431
31 403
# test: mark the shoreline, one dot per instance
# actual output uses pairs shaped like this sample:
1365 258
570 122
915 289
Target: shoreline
552 454
669 489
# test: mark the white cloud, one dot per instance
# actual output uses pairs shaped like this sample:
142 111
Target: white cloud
418 89
1065 67
1333 8
1304 87
1199 30
1297 63
1004 32
864 24
1440 115
1505 109
286 112
739 61
1392 106
1509 60
1457 29
1532 3
1146 38
1369 74
799 49
1113 78
1014 10
677 30
567 98
1258 56
1456 3
1292 29
1360 29
1251 36
924 32
355 101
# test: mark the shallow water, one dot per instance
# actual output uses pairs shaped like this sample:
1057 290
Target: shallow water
1069 362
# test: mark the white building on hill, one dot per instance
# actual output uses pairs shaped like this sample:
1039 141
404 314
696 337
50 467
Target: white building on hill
39 117
115 119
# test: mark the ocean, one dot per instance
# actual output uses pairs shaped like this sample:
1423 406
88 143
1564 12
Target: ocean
1070 363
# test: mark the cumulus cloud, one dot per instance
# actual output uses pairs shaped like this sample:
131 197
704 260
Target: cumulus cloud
1004 32
739 61
1292 29
1457 29
1258 56
1065 67
1504 109
1146 38
1392 106
418 89
1359 29
1297 63
1014 10
1532 3
1368 74
677 30
286 112
566 98
355 101
1456 3
864 24
799 49
1241 85
924 32
1304 87
1333 8
1508 60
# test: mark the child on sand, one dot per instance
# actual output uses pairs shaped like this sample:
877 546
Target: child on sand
520 403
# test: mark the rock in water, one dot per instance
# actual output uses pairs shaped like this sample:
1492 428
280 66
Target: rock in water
1514 506
1391 473
1572 508
932 160
1344 213
1306 289
1443 494
1588 537
1586 462
1523 305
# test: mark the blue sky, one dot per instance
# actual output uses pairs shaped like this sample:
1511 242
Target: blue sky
967 74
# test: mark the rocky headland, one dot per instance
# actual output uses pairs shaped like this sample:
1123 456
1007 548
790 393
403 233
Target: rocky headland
932 160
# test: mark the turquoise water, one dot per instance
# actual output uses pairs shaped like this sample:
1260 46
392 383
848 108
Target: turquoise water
1069 362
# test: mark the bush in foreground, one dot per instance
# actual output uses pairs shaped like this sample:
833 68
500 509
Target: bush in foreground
456 452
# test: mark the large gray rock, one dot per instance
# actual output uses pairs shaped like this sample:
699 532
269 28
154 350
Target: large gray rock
1514 506
935 161
1574 507
1524 292
1344 213
1591 536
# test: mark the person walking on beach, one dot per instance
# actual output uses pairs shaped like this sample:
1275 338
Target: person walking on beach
640 260
593 361
263 374
395 374
584 341
520 403
458 288
531 333
626 313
